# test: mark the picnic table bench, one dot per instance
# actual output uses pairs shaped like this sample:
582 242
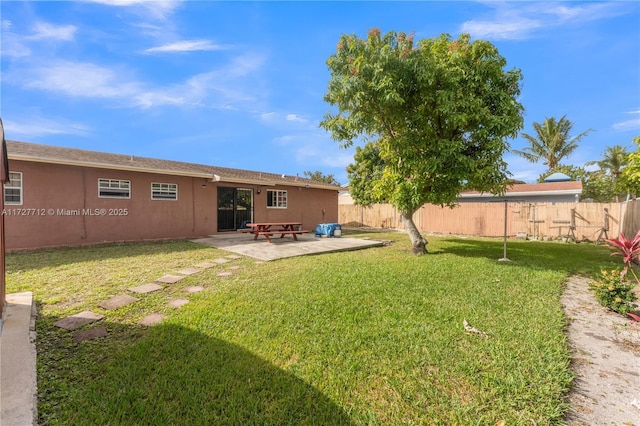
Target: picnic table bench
268 229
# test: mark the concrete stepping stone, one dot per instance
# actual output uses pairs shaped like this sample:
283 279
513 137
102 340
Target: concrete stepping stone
146 288
205 265
235 267
151 319
195 289
176 303
170 279
117 302
225 274
220 261
92 333
233 256
78 320
189 271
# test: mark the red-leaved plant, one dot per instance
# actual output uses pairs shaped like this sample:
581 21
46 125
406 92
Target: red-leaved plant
629 249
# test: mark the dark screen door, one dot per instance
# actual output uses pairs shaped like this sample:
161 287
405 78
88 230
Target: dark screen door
235 208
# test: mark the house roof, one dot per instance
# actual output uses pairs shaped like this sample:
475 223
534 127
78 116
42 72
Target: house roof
25 151
532 189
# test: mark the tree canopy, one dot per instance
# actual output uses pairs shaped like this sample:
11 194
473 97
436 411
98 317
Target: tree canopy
631 173
551 143
434 117
321 177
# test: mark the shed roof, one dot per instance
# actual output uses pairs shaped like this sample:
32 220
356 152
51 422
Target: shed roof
531 189
25 151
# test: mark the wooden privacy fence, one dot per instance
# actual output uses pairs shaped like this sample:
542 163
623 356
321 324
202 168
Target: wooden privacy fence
580 221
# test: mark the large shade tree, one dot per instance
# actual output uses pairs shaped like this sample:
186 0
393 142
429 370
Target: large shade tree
433 116
551 143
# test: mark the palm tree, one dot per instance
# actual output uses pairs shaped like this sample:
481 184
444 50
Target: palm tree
614 159
551 143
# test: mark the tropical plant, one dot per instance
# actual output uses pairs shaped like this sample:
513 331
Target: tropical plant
551 143
614 292
614 159
629 249
433 118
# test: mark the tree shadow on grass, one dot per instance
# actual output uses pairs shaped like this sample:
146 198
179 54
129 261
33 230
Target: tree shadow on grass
573 258
177 376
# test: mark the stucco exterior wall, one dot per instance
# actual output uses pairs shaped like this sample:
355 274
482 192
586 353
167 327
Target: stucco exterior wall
61 207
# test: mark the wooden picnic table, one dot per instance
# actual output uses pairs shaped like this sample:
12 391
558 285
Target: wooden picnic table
270 228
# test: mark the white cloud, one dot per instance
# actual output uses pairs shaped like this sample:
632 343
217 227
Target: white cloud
630 124
155 9
296 118
47 31
519 20
79 79
34 127
186 46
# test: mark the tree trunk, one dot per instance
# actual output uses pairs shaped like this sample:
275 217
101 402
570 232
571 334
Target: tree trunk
419 244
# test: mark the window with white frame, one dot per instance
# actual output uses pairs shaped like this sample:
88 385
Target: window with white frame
164 191
276 199
114 188
13 189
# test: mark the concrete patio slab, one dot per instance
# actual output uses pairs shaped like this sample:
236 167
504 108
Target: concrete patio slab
146 288
233 257
284 247
189 271
117 302
151 319
195 289
78 320
224 274
92 333
205 265
220 261
170 279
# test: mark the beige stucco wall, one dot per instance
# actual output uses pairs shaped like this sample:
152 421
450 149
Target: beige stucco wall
61 207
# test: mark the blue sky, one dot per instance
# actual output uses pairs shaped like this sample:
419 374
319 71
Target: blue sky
240 84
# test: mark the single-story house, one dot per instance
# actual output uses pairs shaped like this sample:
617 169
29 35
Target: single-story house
546 192
68 197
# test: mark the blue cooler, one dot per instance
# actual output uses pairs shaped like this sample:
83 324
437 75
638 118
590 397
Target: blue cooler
328 230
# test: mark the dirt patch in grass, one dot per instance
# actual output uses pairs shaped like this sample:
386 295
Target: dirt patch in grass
605 360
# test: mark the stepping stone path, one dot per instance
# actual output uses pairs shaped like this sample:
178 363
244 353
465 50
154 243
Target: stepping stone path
152 319
92 333
176 303
170 279
146 288
189 271
78 320
117 302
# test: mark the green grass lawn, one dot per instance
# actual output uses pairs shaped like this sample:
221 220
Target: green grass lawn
365 337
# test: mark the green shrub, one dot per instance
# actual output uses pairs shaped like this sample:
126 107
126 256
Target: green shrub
613 291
